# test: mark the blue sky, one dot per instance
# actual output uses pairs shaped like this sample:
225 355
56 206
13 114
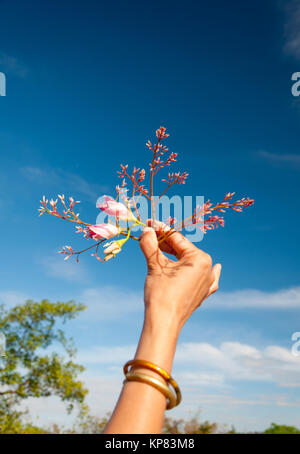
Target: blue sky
87 84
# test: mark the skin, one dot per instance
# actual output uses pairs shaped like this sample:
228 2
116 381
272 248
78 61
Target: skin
174 289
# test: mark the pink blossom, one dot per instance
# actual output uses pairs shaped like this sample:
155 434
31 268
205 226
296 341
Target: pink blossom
161 133
176 178
102 231
210 223
171 221
124 206
114 208
229 195
80 229
68 251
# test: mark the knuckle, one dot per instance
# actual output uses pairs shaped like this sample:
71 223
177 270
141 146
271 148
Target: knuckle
152 271
197 258
207 260
152 266
202 259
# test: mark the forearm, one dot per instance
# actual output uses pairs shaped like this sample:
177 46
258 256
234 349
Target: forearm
173 291
141 407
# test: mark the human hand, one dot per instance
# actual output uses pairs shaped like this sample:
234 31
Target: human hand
175 289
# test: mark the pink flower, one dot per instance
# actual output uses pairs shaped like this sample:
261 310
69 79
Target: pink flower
114 208
102 231
171 221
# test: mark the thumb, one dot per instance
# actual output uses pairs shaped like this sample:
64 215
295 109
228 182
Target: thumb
149 246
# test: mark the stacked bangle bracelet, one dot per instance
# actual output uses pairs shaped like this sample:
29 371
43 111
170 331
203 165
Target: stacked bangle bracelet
174 398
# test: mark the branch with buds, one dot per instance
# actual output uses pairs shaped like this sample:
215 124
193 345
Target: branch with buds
123 208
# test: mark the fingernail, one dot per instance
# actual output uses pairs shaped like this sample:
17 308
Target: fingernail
166 227
161 226
148 229
145 230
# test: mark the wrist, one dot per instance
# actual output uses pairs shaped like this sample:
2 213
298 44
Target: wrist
160 318
158 341
161 330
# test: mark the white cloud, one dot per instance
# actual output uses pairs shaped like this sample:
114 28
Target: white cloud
233 360
103 303
256 299
224 365
104 355
64 182
67 270
292 160
12 65
200 379
280 354
113 302
228 400
12 298
292 29
110 302
235 350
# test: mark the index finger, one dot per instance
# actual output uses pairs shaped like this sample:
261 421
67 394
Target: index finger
173 240
179 243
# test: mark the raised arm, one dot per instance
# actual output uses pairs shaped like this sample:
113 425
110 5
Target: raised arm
173 291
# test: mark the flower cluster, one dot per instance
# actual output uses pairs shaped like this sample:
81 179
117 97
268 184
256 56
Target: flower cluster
68 212
125 208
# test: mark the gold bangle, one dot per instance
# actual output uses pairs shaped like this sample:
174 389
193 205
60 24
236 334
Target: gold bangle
156 384
148 365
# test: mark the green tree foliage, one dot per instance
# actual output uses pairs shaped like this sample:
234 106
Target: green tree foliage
90 424
28 369
192 426
276 429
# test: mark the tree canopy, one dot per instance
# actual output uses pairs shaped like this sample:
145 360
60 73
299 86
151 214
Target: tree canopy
28 368
281 429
